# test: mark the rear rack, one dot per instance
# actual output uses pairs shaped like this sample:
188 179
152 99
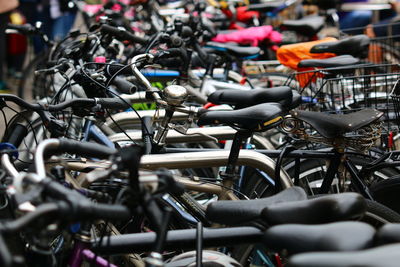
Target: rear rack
348 89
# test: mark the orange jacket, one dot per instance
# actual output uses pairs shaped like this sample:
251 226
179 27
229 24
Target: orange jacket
291 55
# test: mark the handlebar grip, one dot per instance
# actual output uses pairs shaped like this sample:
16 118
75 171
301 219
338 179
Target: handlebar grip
113 103
75 206
85 149
124 86
90 210
111 70
123 35
23 29
16 136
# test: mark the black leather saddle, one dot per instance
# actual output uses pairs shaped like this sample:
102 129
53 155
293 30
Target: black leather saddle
265 7
283 95
255 118
389 233
307 26
333 62
338 236
243 211
356 46
324 209
335 125
387 256
232 49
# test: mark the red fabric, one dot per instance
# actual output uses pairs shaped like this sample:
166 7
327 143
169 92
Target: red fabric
16 43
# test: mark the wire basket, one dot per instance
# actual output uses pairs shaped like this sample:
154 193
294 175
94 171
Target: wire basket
385 46
348 89
395 96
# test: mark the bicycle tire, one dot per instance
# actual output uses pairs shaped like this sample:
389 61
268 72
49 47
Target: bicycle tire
378 214
312 171
386 192
31 86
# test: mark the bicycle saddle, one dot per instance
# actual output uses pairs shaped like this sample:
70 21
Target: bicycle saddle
234 50
243 211
389 233
265 7
256 118
308 26
335 125
356 46
241 99
387 256
323 209
332 62
338 236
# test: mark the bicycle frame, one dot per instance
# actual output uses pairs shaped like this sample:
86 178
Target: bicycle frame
193 135
179 239
336 159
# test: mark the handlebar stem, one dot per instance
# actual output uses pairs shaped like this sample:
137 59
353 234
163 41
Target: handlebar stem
8 166
39 155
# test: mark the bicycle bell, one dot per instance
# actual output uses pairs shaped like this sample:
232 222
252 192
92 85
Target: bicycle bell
175 95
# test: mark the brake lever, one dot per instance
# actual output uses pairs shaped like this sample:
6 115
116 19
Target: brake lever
56 127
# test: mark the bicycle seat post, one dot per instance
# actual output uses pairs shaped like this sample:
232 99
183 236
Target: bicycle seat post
238 140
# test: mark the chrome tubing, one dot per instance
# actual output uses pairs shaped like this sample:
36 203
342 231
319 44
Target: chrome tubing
8 166
193 135
136 71
39 155
198 160
131 118
214 159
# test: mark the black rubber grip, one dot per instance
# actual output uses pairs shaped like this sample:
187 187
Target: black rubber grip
85 149
23 29
16 136
111 70
113 103
90 210
123 35
75 206
51 63
123 85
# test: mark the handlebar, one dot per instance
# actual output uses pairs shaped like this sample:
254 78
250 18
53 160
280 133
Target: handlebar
122 34
111 103
69 146
26 29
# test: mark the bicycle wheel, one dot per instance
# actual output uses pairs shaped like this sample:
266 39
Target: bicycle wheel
386 192
313 171
378 214
32 86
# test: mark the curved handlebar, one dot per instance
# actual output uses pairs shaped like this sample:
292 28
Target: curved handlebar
112 103
69 146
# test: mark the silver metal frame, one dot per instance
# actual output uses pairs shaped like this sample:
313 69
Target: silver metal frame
194 135
201 160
